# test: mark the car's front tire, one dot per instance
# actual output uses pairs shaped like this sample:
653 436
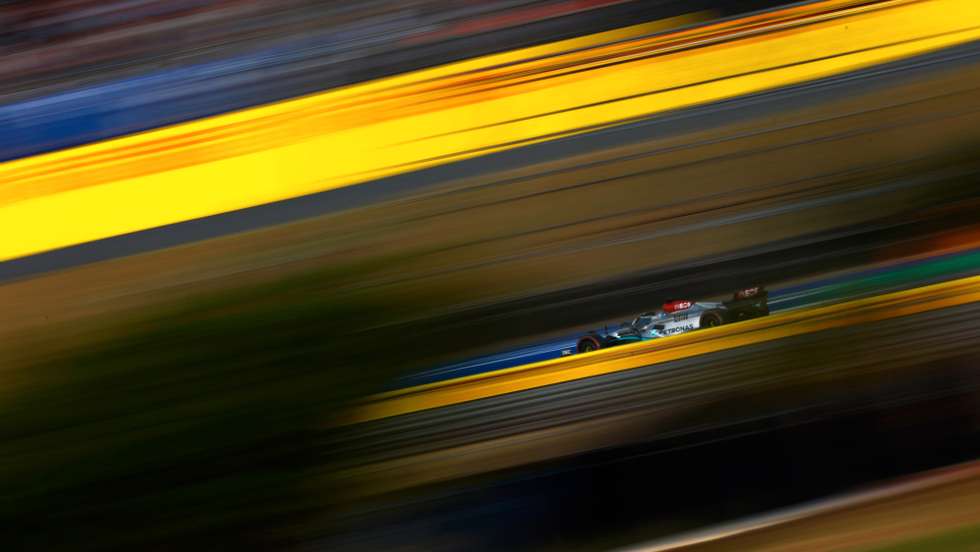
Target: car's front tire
587 345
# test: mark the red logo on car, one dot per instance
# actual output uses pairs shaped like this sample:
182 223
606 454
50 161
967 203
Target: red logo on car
676 306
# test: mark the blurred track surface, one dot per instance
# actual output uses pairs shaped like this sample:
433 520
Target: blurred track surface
652 353
685 402
820 290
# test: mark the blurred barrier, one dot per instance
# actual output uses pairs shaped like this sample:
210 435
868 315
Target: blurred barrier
777 326
174 95
364 132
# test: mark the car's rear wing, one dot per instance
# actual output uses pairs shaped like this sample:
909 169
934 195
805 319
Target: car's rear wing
749 298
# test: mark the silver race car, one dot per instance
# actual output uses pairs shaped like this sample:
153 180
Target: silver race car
676 317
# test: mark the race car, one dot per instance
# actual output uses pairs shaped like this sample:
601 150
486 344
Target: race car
677 317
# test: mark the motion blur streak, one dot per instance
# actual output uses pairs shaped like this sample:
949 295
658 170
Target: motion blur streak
365 132
949 294
286 375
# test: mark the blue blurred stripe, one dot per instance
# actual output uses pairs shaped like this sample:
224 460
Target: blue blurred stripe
166 97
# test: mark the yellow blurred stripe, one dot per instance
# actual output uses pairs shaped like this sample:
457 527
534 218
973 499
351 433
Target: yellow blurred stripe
363 132
292 121
627 357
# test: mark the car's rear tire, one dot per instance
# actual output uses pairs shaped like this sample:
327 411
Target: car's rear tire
587 345
711 320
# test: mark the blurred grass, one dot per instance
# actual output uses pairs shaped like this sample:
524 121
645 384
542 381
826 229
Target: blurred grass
195 421
966 539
